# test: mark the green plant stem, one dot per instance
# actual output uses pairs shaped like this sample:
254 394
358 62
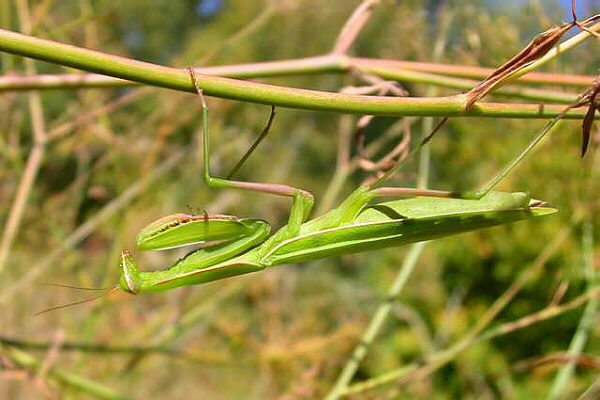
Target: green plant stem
91 347
5 15
410 261
442 357
586 323
376 323
406 75
83 384
474 72
172 78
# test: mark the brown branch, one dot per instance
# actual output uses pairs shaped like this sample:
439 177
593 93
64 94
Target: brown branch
558 358
353 26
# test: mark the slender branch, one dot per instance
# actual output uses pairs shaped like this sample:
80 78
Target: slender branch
178 79
407 71
475 72
353 26
410 261
547 313
588 319
592 392
407 75
376 323
104 349
83 384
442 357
34 160
309 65
557 358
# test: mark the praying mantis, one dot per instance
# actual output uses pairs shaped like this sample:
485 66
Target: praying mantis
234 246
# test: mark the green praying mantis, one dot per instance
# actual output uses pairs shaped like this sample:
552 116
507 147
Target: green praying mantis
234 246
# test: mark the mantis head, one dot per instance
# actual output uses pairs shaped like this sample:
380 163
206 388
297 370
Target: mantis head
130 281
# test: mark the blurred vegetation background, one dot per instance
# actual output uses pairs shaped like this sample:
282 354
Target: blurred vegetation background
287 332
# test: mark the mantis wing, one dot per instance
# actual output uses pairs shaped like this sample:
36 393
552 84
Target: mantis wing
407 221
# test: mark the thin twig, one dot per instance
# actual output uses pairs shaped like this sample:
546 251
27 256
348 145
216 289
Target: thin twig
108 349
581 360
36 155
401 149
545 314
587 321
384 309
442 357
346 167
525 93
76 381
417 370
592 393
376 323
51 355
353 26
257 23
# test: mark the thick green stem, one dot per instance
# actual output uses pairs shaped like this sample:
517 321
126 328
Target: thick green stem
179 79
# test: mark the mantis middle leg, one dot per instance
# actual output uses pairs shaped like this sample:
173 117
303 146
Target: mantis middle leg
302 200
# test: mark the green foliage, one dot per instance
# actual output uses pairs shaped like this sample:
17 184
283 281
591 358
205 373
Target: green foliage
287 331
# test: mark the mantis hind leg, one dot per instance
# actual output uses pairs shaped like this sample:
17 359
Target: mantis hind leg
302 200
471 195
547 129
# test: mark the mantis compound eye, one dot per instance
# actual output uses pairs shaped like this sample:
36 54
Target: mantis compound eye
130 280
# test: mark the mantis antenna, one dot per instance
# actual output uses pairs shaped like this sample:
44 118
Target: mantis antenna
107 292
